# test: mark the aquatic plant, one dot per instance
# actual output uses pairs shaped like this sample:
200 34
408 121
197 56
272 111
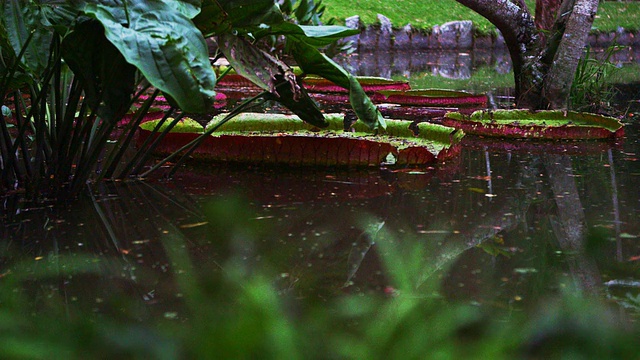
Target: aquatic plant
548 124
285 139
433 97
591 90
69 72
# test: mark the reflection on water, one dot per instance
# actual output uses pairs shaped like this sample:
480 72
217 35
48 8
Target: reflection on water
446 63
453 64
504 225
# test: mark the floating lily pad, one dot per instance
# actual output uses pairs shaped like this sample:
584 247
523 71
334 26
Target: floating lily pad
370 84
432 97
235 80
285 139
321 85
539 125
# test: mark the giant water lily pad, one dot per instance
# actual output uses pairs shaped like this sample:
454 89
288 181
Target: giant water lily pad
432 97
317 84
550 124
285 139
370 84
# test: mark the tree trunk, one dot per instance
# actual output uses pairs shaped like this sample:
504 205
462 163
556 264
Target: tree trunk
546 13
574 35
518 29
543 74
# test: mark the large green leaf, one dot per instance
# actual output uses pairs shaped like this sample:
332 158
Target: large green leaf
107 78
21 21
317 36
219 16
190 8
313 61
270 74
164 45
249 13
250 61
212 19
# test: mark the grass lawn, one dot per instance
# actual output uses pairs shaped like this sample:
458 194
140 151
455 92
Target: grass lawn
425 14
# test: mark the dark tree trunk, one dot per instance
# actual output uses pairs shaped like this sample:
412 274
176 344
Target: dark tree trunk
543 72
572 27
518 29
546 12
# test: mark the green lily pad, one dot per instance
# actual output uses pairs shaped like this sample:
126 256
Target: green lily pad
551 124
370 84
432 97
285 139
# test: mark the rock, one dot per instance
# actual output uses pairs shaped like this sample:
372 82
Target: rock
423 40
498 40
402 38
384 36
454 35
353 22
368 38
604 40
385 24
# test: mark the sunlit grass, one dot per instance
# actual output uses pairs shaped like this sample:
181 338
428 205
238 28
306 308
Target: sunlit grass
421 14
614 14
426 14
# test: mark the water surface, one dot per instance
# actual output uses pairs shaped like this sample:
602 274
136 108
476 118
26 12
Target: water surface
506 224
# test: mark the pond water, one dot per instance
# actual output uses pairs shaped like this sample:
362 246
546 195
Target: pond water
504 225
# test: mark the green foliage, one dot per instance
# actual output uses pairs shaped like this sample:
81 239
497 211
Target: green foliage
592 90
164 46
426 14
421 14
304 12
80 62
314 62
259 21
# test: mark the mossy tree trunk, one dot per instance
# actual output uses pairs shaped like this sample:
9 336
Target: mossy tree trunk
544 67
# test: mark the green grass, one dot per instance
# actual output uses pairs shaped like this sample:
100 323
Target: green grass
426 14
421 14
612 14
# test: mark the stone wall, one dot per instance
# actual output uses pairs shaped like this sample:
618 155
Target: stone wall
458 35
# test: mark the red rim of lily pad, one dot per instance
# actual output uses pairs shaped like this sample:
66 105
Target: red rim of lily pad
315 84
432 97
285 139
370 84
235 80
548 124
